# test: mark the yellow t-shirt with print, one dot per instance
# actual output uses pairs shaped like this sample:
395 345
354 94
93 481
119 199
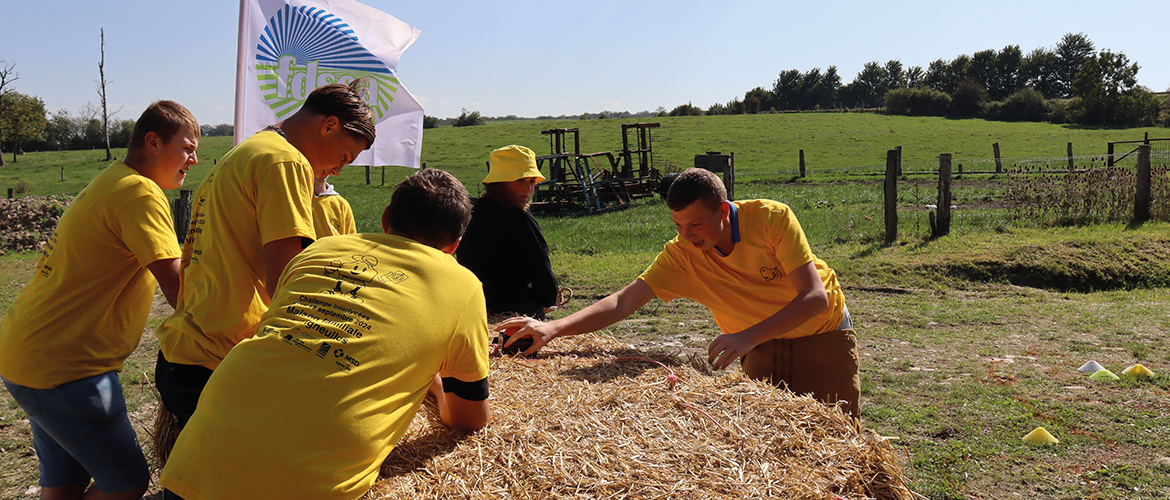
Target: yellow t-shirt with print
332 215
310 407
751 284
259 192
84 311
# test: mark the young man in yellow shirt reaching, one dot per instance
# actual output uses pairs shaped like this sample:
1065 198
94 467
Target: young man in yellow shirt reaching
779 307
67 333
250 216
362 327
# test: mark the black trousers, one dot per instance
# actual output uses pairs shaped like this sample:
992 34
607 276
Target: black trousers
180 386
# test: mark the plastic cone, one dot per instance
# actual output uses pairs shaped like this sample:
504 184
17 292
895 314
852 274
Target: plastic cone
1040 436
1103 375
1091 367
1138 371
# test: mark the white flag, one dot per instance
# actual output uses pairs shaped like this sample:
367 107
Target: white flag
287 48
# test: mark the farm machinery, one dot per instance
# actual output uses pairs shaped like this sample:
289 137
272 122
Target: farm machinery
596 182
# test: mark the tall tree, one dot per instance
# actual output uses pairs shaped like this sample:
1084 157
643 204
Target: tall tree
8 74
1008 64
23 119
1039 71
1071 54
101 88
1101 85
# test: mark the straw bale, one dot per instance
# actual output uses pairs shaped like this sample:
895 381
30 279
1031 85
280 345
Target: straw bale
578 422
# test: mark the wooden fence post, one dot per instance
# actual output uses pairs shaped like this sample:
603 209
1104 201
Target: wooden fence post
62 172
998 159
802 164
941 225
10 191
1109 155
367 175
1070 157
182 214
1141 206
891 192
899 150
383 175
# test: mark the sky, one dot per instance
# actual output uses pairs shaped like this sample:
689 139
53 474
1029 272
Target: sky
532 58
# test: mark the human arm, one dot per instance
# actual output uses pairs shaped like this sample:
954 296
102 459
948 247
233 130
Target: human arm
166 272
607 311
811 300
537 266
277 253
457 413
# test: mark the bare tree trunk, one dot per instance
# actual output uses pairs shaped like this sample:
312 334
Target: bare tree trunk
102 93
8 75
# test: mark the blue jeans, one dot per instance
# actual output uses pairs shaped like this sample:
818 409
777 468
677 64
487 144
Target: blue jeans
80 431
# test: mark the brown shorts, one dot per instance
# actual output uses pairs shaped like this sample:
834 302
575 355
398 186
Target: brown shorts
823 365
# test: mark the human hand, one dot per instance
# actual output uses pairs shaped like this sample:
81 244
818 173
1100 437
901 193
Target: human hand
521 327
727 348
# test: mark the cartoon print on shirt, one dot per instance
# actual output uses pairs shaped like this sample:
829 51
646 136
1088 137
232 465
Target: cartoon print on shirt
770 273
358 273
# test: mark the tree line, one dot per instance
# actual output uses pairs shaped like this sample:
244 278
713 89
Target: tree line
1069 83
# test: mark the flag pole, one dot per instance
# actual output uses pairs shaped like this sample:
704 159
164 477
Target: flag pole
241 72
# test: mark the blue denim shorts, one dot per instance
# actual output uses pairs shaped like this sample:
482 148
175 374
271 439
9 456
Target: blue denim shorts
81 431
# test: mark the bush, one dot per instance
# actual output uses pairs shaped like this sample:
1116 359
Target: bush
466 119
1026 105
1137 108
967 99
917 102
430 122
686 110
1060 111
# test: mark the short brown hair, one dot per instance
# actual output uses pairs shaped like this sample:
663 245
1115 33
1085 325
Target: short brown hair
693 185
430 207
346 103
164 118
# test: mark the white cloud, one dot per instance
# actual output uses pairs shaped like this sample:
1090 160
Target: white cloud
444 101
611 105
563 104
422 100
475 104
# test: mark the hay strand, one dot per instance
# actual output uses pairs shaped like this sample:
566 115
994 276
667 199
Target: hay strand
582 422
164 430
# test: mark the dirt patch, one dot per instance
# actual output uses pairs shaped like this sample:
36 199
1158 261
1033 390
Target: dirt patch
27 223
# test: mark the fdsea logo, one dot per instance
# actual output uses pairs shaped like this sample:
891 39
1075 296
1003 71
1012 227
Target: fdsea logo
303 48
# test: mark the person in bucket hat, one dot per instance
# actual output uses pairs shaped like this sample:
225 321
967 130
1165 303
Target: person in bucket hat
503 245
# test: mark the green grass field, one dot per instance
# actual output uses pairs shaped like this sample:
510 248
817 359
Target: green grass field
968 342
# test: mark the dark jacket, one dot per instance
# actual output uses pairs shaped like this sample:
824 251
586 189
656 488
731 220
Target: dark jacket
504 248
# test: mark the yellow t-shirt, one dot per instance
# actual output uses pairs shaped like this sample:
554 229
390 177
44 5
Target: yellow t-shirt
259 192
332 215
752 283
86 306
311 406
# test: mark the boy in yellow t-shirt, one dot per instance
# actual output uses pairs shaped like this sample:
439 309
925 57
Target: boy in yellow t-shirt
249 217
332 215
362 327
64 338
780 307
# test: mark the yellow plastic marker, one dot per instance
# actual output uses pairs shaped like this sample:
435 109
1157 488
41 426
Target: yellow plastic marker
1103 375
1040 436
1138 371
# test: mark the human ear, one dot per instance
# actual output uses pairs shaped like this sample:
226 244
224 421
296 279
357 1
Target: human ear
329 124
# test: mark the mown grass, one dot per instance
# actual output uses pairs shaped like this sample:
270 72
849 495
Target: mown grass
968 342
